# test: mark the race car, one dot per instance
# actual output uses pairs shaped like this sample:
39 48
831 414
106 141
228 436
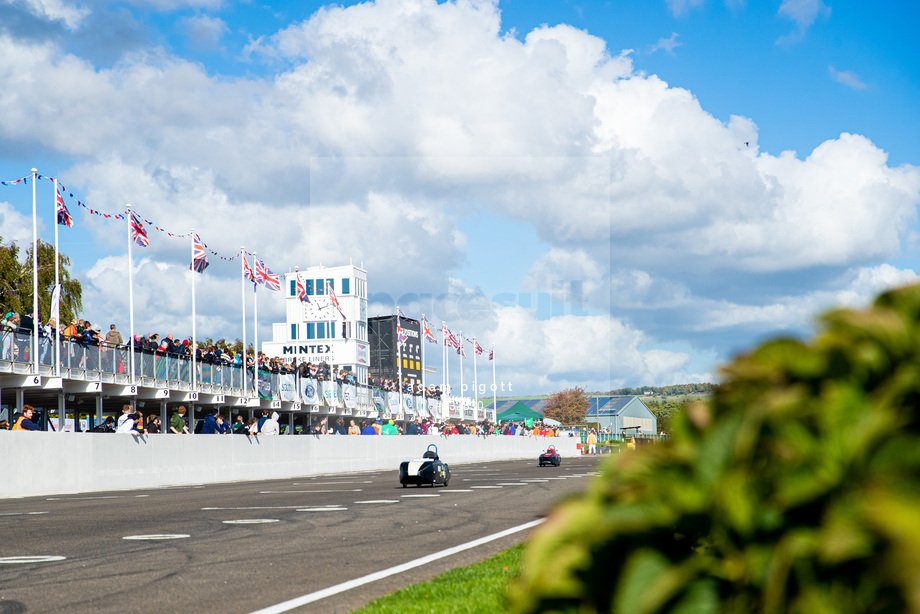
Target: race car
550 457
426 470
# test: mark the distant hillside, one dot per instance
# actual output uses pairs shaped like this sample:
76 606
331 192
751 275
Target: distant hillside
665 391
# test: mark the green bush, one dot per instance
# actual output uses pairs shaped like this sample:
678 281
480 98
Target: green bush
797 489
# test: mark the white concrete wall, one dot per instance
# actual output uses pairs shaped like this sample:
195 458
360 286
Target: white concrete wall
46 463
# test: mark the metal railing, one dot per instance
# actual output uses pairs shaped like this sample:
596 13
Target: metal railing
81 360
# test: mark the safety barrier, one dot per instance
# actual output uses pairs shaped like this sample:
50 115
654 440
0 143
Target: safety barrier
42 463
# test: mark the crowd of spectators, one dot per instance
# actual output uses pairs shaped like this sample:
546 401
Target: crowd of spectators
408 387
82 333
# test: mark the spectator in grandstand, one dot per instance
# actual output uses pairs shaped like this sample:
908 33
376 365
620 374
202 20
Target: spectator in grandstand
210 423
113 337
90 336
177 423
47 332
353 428
4 425
153 424
126 410
71 330
23 421
368 428
239 426
262 421
339 427
107 426
389 428
271 425
414 427
8 328
130 424
26 323
320 428
168 345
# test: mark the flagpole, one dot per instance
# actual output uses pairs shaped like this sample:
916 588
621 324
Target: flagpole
461 365
494 387
57 287
422 342
34 274
130 295
446 369
475 377
255 334
399 362
194 337
243 303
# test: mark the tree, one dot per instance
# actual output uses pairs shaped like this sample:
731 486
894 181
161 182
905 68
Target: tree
794 490
666 412
568 406
16 283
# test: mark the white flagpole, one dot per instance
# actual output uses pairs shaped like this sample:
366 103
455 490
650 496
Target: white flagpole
423 340
446 372
34 274
475 378
494 387
194 337
399 362
255 333
56 305
130 296
243 303
461 364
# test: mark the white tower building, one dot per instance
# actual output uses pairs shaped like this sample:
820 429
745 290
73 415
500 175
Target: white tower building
317 330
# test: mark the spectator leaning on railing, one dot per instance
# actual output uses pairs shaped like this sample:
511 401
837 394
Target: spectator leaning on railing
23 422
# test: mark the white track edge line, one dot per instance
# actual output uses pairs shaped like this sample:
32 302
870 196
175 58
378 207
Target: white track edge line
385 573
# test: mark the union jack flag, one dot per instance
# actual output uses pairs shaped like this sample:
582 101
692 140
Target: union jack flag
261 272
272 280
138 234
426 331
334 300
400 333
247 270
63 215
302 290
199 255
460 349
452 338
477 347
491 353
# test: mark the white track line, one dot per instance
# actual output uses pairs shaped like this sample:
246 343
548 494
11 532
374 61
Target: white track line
280 492
286 606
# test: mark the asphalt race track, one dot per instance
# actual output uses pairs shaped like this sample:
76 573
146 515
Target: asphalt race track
250 546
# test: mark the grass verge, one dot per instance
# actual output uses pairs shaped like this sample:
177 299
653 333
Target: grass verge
479 588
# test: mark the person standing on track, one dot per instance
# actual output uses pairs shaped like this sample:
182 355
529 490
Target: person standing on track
591 441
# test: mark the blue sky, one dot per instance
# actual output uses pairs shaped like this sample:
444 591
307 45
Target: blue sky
628 192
